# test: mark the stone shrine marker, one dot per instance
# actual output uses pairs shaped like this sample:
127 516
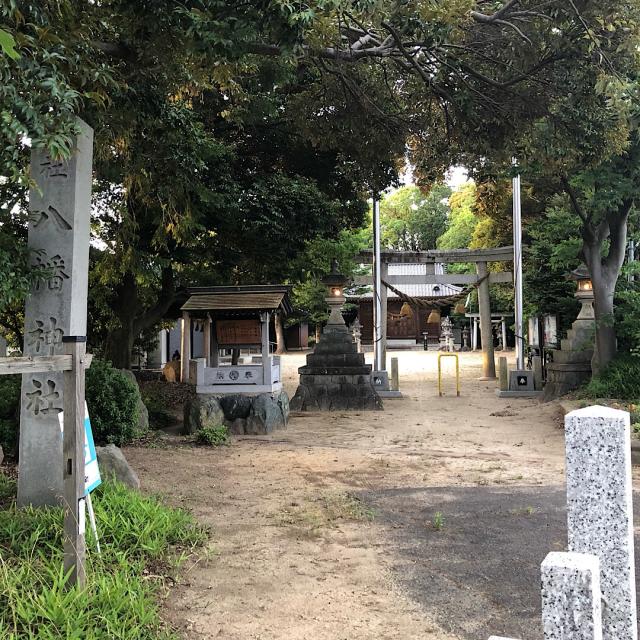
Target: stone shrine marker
60 208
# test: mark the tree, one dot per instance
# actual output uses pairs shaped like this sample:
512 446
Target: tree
413 221
462 219
603 198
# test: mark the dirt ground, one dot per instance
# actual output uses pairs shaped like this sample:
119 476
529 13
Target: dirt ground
302 548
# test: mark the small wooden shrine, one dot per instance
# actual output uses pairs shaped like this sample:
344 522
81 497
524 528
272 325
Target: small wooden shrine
233 318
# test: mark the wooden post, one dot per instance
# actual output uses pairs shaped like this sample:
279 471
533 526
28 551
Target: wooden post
185 347
486 332
214 345
73 457
206 338
266 359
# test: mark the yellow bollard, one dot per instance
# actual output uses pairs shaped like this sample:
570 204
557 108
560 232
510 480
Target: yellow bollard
448 355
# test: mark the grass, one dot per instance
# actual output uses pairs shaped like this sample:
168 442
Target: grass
213 436
325 510
438 521
620 380
140 538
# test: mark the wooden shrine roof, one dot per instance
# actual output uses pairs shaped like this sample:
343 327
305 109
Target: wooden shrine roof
249 298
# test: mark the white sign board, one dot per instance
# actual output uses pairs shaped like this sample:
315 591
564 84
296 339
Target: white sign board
91 471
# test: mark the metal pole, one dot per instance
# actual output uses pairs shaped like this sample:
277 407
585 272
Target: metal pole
377 285
517 271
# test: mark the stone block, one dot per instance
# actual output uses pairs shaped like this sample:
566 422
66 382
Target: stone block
571 597
283 401
237 427
266 410
521 380
113 464
600 509
235 406
202 411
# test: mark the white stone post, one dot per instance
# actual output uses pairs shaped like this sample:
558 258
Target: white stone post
600 509
503 326
164 356
474 338
60 207
571 597
185 347
266 358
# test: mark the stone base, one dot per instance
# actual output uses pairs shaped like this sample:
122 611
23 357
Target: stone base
389 394
518 394
563 377
335 393
243 414
521 380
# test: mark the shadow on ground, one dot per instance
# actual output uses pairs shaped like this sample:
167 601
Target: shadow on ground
479 573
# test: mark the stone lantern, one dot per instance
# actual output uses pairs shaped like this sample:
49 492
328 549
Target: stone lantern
335 283
584 292
571 364
335 377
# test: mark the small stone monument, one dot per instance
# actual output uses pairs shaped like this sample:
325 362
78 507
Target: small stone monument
335 376
446 334
60 205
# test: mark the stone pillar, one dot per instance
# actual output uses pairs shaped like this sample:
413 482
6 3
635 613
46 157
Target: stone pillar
384 274
185 347
3 347
395 380
600 509
486 333
536 363
571 597
164 356
503 374
474 337
60 207
503 326
206 338
266 358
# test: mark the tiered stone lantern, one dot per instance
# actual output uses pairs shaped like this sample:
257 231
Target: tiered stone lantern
335 377
571 365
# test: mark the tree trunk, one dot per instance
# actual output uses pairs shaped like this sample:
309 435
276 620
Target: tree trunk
604 271
281 346
133 320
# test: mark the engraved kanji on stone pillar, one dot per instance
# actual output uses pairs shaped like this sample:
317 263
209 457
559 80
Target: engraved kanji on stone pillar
59 205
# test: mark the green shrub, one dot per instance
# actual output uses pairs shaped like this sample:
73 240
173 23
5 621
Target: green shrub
9 413
135 531
620 380
112 398
213 436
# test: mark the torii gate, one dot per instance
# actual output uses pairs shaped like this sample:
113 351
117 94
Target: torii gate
480 257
